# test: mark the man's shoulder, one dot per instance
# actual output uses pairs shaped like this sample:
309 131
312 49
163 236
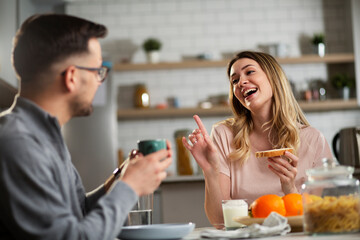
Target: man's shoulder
16 135
12 125
19 145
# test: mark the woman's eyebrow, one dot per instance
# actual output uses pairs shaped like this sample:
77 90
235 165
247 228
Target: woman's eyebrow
246 66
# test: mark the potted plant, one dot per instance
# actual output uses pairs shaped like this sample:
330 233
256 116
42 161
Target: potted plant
343 82
318 41
152 47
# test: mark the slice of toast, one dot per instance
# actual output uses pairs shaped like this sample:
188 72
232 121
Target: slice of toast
273 152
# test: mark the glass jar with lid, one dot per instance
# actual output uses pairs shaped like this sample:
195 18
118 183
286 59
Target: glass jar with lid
186 164
331 199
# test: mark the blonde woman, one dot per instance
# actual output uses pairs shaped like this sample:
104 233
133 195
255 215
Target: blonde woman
266 116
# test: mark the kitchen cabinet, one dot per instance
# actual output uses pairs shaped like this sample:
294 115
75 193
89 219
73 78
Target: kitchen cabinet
182 200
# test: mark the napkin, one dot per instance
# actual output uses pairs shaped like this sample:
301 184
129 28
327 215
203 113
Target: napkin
274 224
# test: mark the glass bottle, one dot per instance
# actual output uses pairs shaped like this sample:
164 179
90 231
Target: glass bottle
141 96
186 165
331 200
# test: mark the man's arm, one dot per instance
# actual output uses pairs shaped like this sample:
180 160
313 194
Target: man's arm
39 200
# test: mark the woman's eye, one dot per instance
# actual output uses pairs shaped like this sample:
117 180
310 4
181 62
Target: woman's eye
249 72
235 81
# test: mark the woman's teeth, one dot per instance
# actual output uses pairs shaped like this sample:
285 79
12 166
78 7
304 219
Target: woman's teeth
249 92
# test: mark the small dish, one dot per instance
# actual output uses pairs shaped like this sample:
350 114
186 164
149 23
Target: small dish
157 231
295 222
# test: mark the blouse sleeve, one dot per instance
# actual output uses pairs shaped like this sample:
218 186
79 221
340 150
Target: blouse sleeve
322 149
219 137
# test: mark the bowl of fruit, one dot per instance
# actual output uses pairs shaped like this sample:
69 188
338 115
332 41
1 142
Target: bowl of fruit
289 206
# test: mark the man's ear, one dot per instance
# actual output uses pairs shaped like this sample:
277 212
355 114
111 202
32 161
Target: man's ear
70 79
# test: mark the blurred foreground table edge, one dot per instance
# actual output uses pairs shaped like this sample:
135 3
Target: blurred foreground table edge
195 235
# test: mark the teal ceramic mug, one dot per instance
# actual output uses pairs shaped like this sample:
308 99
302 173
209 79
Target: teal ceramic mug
149 146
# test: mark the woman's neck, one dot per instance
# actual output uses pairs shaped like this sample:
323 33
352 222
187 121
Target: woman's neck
260 137
261 123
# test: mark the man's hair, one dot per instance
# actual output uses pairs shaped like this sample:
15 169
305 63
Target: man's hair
45 39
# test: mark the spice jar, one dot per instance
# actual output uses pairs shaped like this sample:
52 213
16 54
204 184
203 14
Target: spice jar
186 165
331 200
141 96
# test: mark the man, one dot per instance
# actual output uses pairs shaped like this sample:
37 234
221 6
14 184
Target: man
58 59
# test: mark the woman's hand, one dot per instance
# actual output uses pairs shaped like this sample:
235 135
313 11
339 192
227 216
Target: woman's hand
285 168
202 148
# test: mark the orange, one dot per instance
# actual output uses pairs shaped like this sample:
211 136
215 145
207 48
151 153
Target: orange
266 204
293 204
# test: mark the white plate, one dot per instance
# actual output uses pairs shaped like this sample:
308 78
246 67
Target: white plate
157 231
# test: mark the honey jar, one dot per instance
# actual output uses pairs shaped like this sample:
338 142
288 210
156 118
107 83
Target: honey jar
141 96
186 165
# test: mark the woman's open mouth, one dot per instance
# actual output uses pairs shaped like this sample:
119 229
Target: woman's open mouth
249 92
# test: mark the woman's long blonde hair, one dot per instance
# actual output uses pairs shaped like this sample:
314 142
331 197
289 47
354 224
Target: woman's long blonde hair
287 116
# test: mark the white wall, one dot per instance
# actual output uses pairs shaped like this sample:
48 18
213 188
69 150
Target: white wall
7 30
356 29
215 26
12 14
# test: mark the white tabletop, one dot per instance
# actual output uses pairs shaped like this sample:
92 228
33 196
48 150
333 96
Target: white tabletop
195 235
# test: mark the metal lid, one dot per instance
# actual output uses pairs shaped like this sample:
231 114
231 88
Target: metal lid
330 170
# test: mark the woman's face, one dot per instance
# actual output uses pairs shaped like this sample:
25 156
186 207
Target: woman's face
251 85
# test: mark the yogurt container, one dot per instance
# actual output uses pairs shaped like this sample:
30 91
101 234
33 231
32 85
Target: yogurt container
234 208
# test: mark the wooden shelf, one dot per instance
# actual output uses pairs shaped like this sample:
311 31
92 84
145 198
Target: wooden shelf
329 58
152 113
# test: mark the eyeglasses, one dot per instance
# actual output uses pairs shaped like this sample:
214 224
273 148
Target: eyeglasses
101 71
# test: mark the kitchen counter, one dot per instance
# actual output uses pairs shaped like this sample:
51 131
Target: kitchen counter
195 235
182 200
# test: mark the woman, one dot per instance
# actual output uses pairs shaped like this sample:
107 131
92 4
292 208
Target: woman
266 116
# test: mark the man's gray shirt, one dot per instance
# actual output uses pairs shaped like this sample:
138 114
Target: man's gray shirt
41 193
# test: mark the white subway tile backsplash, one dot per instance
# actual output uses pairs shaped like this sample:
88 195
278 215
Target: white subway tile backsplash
166 31
179 18
292 3
190 6
215 5
236 4
114 9
203 17
141 7
191 30
258 5
312 4
277 14
165 6
230 17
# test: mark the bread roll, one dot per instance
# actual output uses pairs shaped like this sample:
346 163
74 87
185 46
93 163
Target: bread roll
273 152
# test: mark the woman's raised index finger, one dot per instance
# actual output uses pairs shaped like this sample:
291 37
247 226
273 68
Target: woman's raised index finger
200 124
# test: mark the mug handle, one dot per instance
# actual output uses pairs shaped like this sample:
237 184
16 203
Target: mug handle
334 144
